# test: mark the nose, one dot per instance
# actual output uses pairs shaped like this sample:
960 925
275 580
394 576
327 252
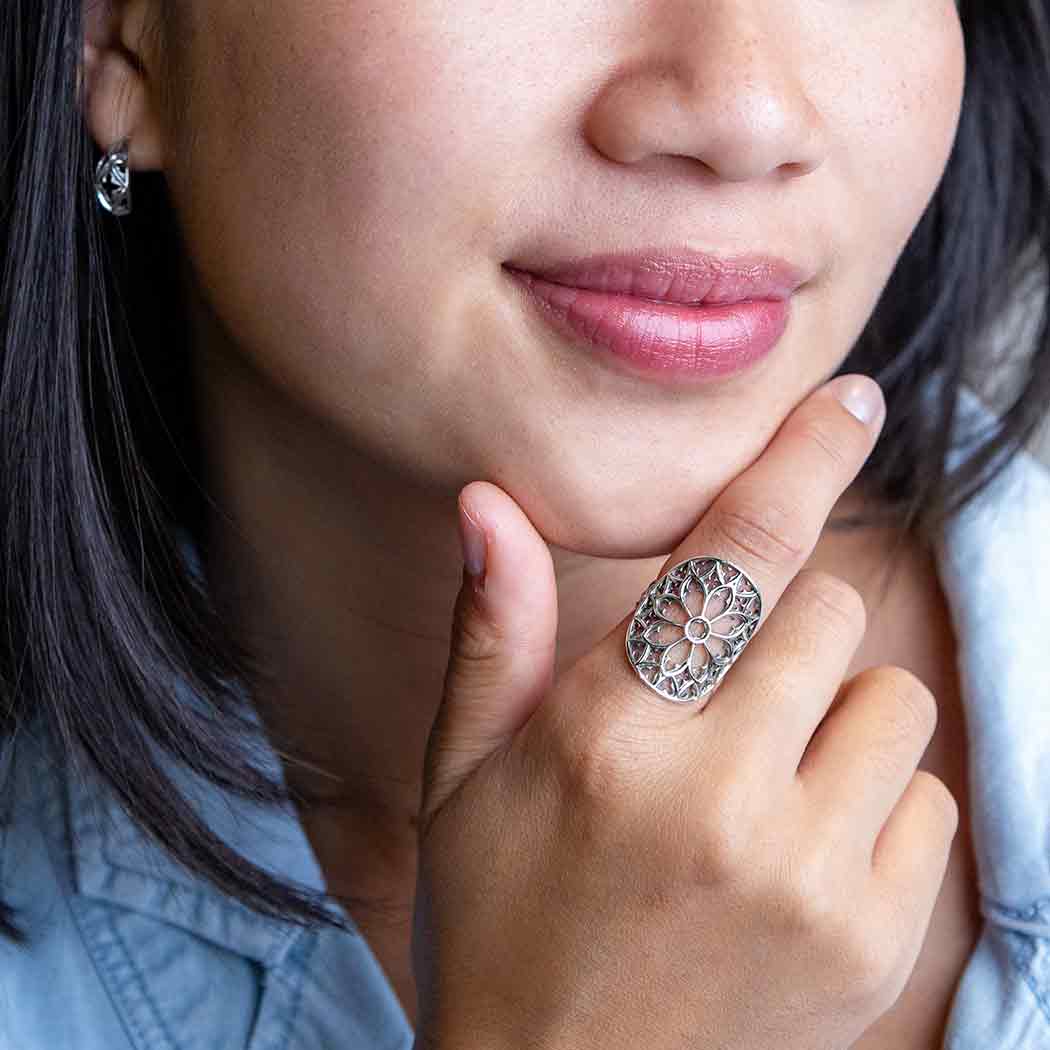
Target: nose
728 91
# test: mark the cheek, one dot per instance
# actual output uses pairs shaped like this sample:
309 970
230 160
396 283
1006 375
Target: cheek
338 166
903 115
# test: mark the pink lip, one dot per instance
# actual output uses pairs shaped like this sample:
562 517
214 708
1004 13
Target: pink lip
680 317
683 315
685 277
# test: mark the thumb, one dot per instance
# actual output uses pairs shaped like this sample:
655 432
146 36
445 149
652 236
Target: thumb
501 660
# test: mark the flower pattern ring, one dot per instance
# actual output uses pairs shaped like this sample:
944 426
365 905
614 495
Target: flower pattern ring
690 625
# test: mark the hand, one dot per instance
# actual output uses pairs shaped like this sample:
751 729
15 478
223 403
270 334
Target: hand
600 868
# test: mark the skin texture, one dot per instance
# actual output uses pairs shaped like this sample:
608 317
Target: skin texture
350 178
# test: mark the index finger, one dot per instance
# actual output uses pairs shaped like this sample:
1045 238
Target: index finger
766 523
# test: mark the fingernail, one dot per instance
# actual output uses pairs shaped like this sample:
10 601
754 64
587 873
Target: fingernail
861 396
472 540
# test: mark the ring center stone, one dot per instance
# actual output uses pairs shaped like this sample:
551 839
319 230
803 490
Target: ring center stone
697 629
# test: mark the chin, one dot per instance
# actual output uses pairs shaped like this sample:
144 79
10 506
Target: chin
608 525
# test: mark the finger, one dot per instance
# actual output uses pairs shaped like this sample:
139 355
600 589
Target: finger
776 694
925 817
501 659
912 854
766 522
865 753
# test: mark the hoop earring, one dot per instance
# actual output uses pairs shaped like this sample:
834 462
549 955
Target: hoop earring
113 180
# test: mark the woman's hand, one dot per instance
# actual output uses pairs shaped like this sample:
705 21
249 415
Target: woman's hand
602 869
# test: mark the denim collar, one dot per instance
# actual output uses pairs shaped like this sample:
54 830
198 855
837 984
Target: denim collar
994 564
114 860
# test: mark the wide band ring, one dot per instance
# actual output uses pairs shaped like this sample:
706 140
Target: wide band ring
690 625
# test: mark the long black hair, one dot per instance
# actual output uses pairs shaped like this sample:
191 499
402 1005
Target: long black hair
99 454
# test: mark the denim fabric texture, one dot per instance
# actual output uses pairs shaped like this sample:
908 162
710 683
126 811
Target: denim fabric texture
129 951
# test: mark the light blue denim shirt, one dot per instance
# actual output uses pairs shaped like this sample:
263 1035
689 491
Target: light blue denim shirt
128 950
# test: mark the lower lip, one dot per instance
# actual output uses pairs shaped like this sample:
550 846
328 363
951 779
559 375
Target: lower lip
660 338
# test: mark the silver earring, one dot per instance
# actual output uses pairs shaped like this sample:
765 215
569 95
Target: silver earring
113 180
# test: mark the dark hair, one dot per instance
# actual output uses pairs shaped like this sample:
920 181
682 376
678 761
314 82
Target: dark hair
100 463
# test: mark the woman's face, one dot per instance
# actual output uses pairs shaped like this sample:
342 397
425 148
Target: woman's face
352 177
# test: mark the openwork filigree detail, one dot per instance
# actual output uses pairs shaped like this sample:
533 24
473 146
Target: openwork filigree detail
690 625
113 180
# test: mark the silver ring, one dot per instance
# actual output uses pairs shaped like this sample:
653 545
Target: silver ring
690 625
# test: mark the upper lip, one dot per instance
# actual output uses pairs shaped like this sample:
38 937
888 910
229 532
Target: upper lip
677 275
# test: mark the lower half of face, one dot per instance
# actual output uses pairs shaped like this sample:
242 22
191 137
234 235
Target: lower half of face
361 175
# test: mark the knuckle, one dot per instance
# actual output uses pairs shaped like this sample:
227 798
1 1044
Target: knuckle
914 708
720 843
939 794
477 641
839 603
812 906
802 904
763 531
867 961
833 440
591 766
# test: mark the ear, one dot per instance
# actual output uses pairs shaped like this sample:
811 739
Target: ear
120 72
